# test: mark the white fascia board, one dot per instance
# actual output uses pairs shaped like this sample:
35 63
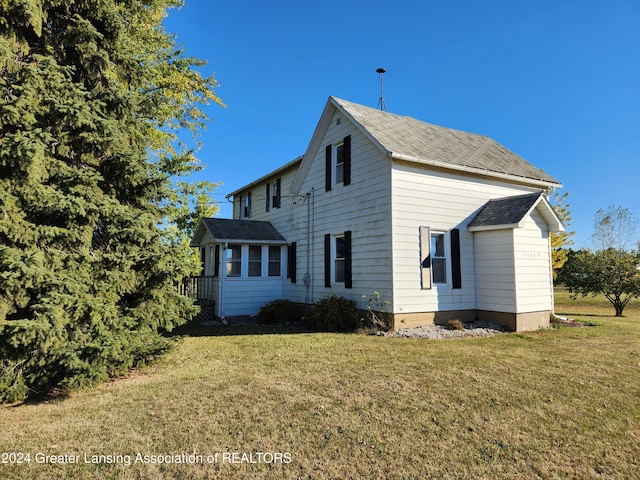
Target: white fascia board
548 213
250 242
484 228
472 170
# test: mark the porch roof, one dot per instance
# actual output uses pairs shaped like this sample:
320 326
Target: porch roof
510 212
239 231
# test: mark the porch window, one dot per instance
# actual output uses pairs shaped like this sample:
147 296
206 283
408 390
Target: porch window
275 261
255 260
234 260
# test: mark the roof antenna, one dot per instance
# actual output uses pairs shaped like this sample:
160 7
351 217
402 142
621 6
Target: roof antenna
381 103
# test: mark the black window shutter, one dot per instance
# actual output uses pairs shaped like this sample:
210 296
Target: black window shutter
327 260
348 282
268 196
347 160
278 193
292 261
327 178
203 259
216 261
456 270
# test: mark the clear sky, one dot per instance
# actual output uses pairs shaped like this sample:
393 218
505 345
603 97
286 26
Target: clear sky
557 82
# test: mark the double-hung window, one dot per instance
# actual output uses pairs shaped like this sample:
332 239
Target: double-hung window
339 259
245 206
339 166
338 163
440 260
275 261
234 260
255 260
338 266
274 194
438 257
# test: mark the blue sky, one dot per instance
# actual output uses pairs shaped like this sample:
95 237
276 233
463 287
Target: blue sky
557 82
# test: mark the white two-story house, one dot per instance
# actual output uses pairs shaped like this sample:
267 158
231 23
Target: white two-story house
442 223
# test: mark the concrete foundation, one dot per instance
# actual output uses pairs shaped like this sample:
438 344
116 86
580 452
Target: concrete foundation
515 322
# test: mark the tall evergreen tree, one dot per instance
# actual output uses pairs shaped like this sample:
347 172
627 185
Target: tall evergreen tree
93 94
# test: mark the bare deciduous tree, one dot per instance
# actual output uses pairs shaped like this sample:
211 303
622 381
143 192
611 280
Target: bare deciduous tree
616 227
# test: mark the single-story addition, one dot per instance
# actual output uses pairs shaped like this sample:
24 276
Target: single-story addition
442 224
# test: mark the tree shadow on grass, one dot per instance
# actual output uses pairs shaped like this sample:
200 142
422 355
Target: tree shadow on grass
234 328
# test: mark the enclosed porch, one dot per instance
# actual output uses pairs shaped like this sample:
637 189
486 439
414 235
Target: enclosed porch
243 266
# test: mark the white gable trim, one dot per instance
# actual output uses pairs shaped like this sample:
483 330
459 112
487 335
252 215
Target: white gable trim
321 129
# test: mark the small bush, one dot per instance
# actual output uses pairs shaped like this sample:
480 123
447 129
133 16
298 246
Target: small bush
455 325
333 314
374 317
280 311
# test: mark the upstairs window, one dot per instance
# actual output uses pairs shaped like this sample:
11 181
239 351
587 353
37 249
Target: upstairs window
274 194
246 205
338 163
339 167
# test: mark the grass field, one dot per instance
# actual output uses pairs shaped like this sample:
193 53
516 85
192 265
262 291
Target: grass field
561 403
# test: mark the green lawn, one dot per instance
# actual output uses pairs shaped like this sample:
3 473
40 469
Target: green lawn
559 403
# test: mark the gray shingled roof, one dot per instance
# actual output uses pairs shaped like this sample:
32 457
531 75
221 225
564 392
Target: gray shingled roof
505 211
406 136
247 230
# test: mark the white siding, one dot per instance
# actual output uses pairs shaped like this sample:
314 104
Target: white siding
291 221
533 265
495 271
363 207
245 296
442 201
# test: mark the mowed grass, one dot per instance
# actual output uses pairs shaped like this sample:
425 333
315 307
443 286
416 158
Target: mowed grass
559 403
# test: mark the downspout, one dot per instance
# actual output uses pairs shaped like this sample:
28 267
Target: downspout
223 275
553 299
308 276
